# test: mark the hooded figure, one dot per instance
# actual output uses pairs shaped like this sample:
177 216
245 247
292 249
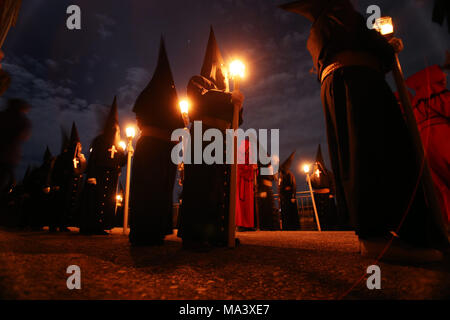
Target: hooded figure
102 174
245 200
66 183
366 132
203 218
431 105
153 174
42 192
322 184
288 192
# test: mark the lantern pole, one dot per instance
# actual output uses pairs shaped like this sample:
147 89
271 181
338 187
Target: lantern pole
308 180
130 135
237 70
382 24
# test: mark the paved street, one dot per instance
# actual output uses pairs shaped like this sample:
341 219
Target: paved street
267 265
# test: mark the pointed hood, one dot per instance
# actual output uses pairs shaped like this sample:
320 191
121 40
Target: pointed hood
157 105
213 64
64 139
286 165
322 179
310 9
74 138
111 123
319 157
47 156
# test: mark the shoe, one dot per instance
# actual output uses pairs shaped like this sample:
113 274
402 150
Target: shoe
398 252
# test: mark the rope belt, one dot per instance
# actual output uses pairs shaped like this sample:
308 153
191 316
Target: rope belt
349 59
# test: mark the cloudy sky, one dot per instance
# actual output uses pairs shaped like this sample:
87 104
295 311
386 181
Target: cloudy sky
72 75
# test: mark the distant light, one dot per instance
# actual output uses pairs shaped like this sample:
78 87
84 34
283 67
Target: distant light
384 25
131 132
306 168
237 68
184 106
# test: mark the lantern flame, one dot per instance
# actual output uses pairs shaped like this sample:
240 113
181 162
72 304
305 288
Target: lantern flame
237 69
184 106
384 25
122 145
131 132
306 168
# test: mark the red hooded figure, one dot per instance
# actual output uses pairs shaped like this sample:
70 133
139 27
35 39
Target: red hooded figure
431 105
245 188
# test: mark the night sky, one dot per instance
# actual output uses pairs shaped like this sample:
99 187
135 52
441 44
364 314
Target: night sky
72 75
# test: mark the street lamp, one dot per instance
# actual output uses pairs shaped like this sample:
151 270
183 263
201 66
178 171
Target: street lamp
306 169
130 132
385 26
237 70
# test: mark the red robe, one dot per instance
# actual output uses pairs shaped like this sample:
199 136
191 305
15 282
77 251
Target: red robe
245 189
431 105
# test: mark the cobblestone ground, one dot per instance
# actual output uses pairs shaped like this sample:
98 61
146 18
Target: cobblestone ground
267 265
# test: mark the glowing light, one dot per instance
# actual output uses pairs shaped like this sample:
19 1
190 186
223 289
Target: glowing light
119 198
306 168
184 106
237 69
122 145
384 25
131 132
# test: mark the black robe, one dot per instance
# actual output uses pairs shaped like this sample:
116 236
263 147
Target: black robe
98 209
205 198
152 182
367 136
66 187
268 213
289 210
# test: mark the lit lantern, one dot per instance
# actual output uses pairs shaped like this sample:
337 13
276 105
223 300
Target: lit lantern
122 145
384 26
131 132
237 69
306 168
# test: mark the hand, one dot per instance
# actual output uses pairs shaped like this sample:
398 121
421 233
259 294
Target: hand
92 181
237 98
397 44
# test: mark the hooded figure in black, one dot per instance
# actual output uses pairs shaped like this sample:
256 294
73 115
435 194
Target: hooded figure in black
203 217
41 193
367 136
322 184
153 174
268 213
288 192
102 175
66 183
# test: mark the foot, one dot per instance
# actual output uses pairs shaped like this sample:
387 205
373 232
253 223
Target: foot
398 252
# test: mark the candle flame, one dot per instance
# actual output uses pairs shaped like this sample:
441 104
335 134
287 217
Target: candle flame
237 69
184 106
131 132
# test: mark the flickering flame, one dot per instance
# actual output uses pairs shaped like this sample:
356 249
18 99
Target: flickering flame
131 132
123 145
384 25
119 198
237 69
306 168
184 106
